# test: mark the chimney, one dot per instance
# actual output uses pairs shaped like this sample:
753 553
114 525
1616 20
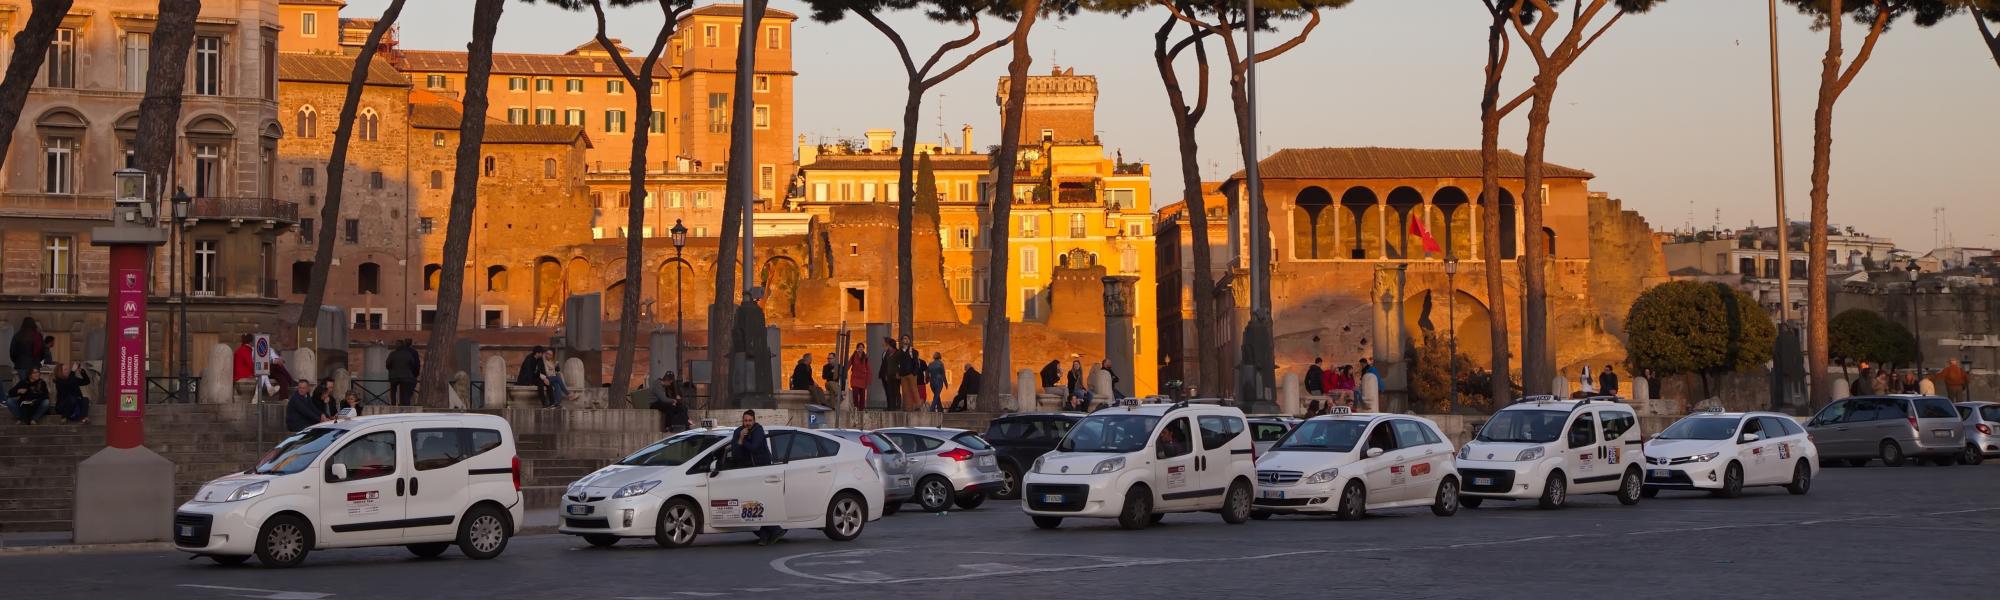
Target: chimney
968 140
880 140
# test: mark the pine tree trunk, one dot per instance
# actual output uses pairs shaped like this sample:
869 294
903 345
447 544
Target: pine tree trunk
635 239
336 169
1203 286
996 358
31 47
1818 349
464 199
1537 368
906 185
160 111
1501 389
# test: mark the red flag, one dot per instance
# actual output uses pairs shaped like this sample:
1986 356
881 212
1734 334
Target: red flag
1430 243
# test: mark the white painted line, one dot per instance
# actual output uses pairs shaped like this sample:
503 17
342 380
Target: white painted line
858 577
266 594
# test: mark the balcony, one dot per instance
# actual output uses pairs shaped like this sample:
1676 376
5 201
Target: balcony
244 209
59 284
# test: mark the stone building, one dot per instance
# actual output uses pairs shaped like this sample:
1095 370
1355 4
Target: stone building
1747 259
77 129
1351 277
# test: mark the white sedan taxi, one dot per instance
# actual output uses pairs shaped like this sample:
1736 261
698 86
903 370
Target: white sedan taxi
1722 453
1349 464
680 487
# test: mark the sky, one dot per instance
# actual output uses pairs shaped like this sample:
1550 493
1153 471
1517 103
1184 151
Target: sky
1671 109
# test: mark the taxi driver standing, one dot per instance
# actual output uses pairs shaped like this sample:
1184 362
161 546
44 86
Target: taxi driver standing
752 448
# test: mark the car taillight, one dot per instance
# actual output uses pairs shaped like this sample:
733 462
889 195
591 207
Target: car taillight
516 468
960 454
1983 429
1913 423
870 444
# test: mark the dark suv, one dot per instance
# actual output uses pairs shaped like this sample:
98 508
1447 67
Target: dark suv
1019 439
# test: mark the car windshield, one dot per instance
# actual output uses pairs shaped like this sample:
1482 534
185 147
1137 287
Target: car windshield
1110 433
1324 436
1524 426
1700 428
672 452
1267 432
295 453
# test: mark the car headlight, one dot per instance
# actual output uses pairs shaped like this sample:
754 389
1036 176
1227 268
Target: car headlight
1037 467
1321 477
248 491
1109 465
1704 457
1529 454
1464 452
636 489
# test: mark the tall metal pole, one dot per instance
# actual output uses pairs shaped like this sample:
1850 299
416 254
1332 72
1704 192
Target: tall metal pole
1781 384
1256 357
746 173
678 342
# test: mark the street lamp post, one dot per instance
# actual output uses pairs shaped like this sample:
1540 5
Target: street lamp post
680 236
181 201
1451 323
1916 323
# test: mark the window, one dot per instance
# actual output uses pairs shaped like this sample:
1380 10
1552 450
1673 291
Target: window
1934 408
308 176
368 278
306 231
59 166
718 113
270 69
761 83
138 58
59 263
61 57
961 289
517 116
701 232
965 237
774 37
375 180
1217 430
369 125
435 82
1174 440
367 457
964 192
1031 260
308 122
573 116
658 124
432 272
544 85
1076 226
440 448
1120 198
207 170
493 318
1617 423
767 178
205 255
1583 432
425 225
614 87
761 117
711 35
489 166
614 121
496 278
1410 434
701 199
208 66
1030 226
437 139
1128 260
545 116
309 24
1030 304
353 233
437 180
674 199
301 276
573 85
548 168
517 84
427 317
369 318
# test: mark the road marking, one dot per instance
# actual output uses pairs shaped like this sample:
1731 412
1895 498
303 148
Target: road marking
267 594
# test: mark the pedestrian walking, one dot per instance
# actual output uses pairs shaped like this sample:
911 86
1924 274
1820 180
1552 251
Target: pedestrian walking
667 401
1315 379
750 447
858 373
909 367
404 368
935 376
300 410
1954 379
1607 382
29 398
968 386
71 403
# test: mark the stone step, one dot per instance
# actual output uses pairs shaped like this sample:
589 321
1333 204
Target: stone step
39 513
30 493
10 525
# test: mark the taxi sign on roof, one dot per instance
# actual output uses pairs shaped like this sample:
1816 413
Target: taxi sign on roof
1340 410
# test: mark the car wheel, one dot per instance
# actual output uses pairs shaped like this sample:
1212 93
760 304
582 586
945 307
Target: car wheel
1732 481
229 560
969 501
1971 456
1555 493
1892 455
601 541
1631 487
1446 503
1047 522
1649 493
846 515
890 508
436 549
1470 501
483 534
1260 515
678 524
1801 480
1156 518
934 494
1236 506
1010 483
1353 502
1138 511
284 542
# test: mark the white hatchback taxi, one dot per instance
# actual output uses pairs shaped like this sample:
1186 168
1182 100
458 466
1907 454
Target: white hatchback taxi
1138 462
1722 453
1349 464
424 481
1544 449
680 487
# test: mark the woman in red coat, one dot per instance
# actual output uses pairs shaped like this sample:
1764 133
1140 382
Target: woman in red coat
858 376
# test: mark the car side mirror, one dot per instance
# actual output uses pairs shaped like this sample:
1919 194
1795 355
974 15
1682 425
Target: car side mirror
337 472
1748 437
1373 452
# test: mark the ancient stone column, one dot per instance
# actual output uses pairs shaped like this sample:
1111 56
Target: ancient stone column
304 364
493 375
218 385
1118 311
374 370
1288 395
1641 390
665 356
1026 391
1841 388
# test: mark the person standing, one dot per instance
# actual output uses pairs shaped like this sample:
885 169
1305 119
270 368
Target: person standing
909 367
404 368
29 398
29 349
1954 379
1585 384
858 373
750 447
890 374
71 404
1865 384
1314 379
1607 382
934 374
300 411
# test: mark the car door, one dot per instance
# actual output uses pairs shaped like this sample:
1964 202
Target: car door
439 481
1622 446
895 463
1176 484
808 473
1418 455
1833 430
1385 479
923 449
1587 470
367 506
1779 449
747 496
1216 465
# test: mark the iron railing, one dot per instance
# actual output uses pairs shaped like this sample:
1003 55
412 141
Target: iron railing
244 208
173 390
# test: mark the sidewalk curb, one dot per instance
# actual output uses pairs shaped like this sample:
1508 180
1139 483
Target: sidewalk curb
68 549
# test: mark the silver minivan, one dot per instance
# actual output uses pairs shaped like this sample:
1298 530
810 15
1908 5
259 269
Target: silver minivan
1853 431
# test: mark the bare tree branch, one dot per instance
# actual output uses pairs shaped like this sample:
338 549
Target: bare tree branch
967 61
948 47
1600 32
1867 47
902 51
1275 51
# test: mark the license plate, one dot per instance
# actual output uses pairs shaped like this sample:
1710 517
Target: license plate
1482 481
1659 472
578 509
1052 498
1940 433
187 530
1274 494
986 461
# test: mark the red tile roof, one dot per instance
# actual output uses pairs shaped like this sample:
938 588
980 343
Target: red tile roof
508 133
1394 163
565 65
327 68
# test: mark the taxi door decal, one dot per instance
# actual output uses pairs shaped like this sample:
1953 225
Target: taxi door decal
1177 476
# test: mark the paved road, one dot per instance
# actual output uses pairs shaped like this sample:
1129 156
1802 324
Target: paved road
1914 532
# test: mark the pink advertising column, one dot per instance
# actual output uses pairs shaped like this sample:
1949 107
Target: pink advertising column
125 492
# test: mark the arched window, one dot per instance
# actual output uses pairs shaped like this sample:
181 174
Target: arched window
368 124
368 279
431 274
437 180
496 278
548 168
308 125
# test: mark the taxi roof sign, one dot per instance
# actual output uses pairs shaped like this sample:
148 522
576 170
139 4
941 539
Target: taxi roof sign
1340 410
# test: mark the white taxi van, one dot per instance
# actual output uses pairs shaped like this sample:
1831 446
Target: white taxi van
424 481
1348 464
1138 462
681 487
1544 449
1722 453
